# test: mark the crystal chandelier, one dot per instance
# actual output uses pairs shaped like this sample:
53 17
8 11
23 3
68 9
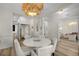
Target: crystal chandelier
32 9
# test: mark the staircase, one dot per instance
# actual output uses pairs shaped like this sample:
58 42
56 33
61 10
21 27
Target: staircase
67 48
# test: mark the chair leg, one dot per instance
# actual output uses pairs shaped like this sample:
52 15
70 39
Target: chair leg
29 54
53 54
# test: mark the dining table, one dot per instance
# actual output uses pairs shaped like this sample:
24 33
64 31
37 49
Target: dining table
37 42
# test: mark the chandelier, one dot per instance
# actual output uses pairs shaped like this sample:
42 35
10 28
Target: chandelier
32 9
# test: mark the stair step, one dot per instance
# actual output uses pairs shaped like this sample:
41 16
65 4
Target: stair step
67 51
57 53
68 47
68 42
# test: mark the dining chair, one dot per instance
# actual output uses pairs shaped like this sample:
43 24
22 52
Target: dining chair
43 51
54 43
18 49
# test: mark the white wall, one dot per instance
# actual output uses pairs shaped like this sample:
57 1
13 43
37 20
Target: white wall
52 28
78 29
69 29
5 23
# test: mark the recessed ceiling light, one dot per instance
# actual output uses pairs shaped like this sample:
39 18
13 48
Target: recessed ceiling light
60 12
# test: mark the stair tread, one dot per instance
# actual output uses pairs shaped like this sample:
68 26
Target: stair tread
67 47
66 52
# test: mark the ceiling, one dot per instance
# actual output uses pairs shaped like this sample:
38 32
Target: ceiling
48 10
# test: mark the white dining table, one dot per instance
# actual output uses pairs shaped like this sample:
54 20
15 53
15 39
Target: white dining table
36 42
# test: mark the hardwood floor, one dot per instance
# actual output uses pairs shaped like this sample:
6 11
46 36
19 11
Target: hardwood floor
64 48
7 52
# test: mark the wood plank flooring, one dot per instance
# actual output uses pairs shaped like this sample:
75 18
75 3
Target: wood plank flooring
7 52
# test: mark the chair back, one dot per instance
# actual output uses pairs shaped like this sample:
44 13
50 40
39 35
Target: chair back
45 51
54 44
18 49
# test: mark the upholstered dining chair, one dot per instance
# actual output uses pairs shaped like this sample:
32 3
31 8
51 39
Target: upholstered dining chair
18 49
54 44
43 51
